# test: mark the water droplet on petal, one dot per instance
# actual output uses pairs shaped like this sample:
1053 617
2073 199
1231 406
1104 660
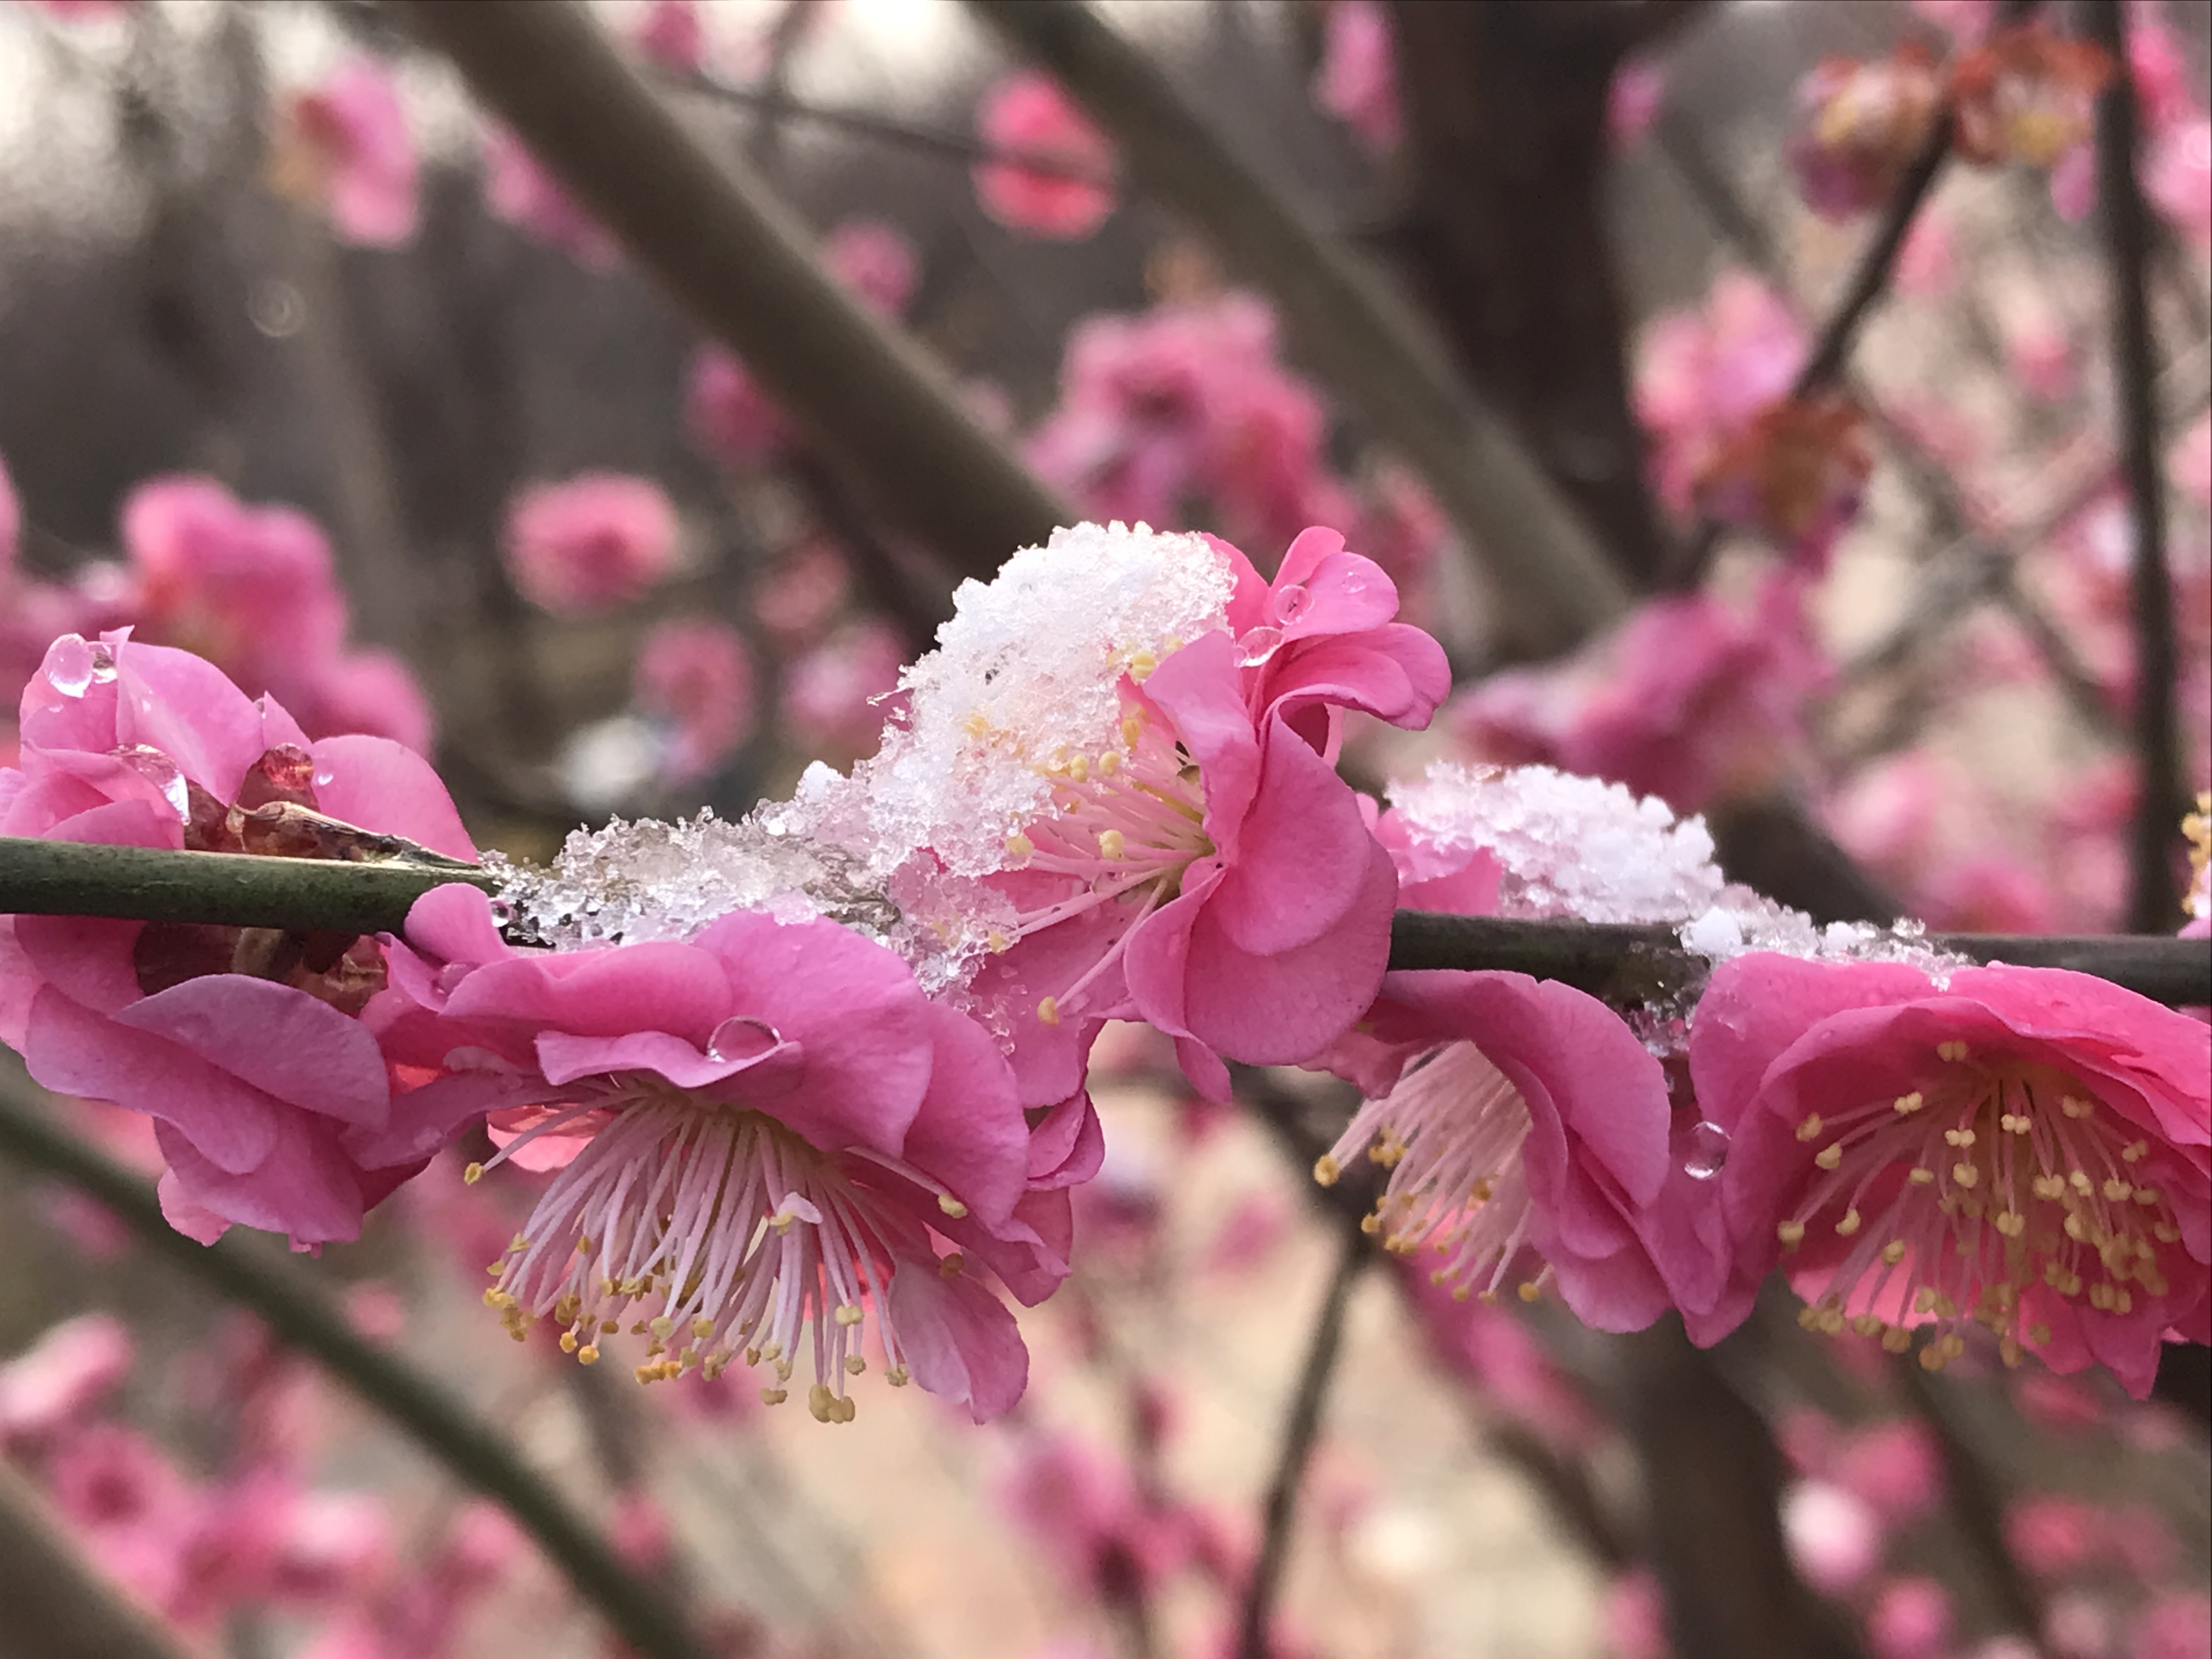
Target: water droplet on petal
1257 645
69 666
1705 1152
1291 602
324 778
741 1036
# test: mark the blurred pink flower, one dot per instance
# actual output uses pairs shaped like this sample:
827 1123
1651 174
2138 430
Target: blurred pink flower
1634 1616
1895 1467
1861 125
1927 269
1911 1619
1965 20
2189 462
1086 1513
2176 1625
1794 473
519 190
597 541
1834 1541
1537 1121
761 1131
1634 100
1702 375
2041 359
697 676
672 34
2049 1534
2177 177
345 145
1358 80
51 1387
1925 1156
874 260
239 1043
798 599
725 413
2025 95
1027 116
832 694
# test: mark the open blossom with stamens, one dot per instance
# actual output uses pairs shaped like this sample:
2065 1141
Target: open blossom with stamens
1536 1124
241 1044
2025 1149
1864 123
760 1139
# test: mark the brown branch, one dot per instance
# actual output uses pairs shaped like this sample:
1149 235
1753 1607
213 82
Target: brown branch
59 1605
2154 892
1554 583
1301 1428
735 258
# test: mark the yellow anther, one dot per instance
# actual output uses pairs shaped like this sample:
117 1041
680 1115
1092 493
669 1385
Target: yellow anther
1528 1291
473 1175
568 1342
2048 1185
898 1377
1849 1224
1048 1010
1791 1233
1867 1325
1965 1174
2015 1123
2080 1182
1894 1252
1132 728
662 1327
774 1396
1000 941
1829 1156
1953 1050
1370 1224
2165 1233
949 1266
1920 1178
820 1400
1908 1104
588 1354
2146 1195
849 1314
1110 843
1020 846
1897 1339
1810 1128
1078 768
2116 1190
2011 1223
703 1328
1142 662
2134 1152
1959 1137
951 1205
1326 1170
855 1364
2074 1107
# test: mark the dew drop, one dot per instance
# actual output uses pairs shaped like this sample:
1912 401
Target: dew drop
742 1037
1257 645
1705 1150
71 666
1291 602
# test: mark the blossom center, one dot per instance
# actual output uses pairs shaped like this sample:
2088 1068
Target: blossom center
2015 1180
713 1230
1450 1135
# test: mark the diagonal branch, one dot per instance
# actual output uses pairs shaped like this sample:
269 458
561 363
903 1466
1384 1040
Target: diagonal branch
734 257
470 1449
2160 796
1301 1428
1554 584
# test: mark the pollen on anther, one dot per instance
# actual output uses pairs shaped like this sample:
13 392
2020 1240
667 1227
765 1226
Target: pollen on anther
1048 1011
473 1175
1849 1224
1791 1233
1907 1104
1829 1156
1953 1050
951 1205
1326 1170
1810 1128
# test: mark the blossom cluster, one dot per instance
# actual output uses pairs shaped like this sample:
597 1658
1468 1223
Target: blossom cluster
808 1091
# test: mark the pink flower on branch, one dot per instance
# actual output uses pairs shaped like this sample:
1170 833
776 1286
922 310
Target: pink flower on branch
240 1043
1027 117
759 1138
344 145
592 542
2023 1149
1535 1128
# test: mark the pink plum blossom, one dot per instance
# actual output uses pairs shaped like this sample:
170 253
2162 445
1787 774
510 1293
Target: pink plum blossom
1861 125
2026 1149
762 1131
597 541
1632 101
833 694
799 599
1927 265
2026 96
241 1044
1084 1511
2178 178
1703 375
672 34
54 1384
1794 473
1207 870
1027 117
876 262
2173 1626
1358 80
1911 1619
344 144
1834 1541
697 676
1537 1122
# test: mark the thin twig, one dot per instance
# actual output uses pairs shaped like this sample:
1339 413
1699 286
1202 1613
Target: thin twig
60 1605
1555 585
300 1315
2160 800
1300 1429
239 890
722 245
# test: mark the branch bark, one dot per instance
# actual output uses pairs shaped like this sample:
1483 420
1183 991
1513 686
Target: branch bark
1554 584
2161 799
59 1606
730 254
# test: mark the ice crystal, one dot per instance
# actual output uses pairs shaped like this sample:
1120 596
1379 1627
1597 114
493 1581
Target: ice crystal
1569 846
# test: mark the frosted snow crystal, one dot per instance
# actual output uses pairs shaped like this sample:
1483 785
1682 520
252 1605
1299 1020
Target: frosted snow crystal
1569 846
1026 672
